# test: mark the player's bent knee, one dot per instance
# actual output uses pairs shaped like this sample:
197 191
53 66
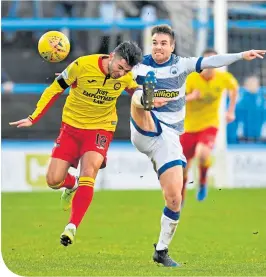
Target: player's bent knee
53 181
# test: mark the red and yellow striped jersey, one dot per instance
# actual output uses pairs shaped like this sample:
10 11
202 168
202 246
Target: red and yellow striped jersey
91 103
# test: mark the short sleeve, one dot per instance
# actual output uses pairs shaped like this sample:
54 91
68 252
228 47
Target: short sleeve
131 84
70 74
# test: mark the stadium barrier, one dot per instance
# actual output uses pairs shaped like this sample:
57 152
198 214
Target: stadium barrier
30 24
127 168
30 158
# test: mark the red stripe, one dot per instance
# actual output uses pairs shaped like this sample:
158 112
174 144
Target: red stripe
49 104
75 84
100 64
130 91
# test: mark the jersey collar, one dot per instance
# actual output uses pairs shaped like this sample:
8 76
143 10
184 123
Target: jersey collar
169 62
100 64
209 79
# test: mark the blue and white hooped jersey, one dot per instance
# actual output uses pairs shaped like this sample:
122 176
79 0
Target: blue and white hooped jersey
171 77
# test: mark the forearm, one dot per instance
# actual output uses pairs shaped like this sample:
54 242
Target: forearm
193 95
189 97
220 60
48 97
232 100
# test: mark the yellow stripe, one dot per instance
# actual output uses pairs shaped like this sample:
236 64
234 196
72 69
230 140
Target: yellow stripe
88 185
86 178
58 186
86 181
208 162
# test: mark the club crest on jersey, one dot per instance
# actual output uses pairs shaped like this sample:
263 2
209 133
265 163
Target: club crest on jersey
117 86
173 70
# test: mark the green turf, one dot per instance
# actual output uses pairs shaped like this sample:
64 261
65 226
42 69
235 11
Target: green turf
225 235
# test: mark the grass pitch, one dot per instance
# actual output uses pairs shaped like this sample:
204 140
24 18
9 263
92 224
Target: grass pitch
222 236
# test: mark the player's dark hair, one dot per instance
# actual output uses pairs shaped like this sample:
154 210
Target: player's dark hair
209 51
130 51
163 29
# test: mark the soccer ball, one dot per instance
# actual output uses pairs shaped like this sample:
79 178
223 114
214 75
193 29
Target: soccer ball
54 46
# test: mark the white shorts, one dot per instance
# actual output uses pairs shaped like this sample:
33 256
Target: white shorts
163 147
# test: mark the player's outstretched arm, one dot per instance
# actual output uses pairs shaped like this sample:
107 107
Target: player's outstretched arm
227 59
253 54
26 122
50 95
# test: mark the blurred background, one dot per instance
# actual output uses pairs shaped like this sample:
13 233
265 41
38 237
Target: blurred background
97 27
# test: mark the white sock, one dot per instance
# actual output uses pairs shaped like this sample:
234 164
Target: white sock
136 99
71 226
76 184
168 227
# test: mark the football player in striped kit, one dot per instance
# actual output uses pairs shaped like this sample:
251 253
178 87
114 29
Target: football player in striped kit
157 120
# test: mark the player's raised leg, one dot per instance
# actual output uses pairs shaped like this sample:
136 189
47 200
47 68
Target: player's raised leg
171 181
90 164
64 154
142 103
58 177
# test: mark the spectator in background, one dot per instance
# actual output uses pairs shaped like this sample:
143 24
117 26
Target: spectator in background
70 9
6 83
250 109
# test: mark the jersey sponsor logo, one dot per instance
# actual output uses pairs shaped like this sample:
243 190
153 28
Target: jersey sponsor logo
100 141
100 97
91 81
117 86
165 93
